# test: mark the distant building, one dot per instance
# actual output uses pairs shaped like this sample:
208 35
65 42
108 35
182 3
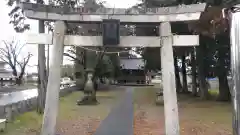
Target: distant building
67 71
4 73
33 77
132 63
132 71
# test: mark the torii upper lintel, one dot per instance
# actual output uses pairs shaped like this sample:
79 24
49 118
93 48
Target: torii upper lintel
149 15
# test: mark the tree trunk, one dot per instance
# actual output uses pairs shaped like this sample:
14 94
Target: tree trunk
42 77
14 71
194 75
224 91
80 69
19 81
203 88
184 74
177 77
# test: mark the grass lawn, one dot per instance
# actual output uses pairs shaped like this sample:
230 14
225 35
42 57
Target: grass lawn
196 117
72 119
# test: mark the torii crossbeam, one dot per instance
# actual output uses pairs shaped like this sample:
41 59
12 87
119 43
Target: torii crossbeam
162 16
126 41
150 15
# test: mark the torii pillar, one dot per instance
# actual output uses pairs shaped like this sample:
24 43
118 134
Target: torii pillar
53 86
169 84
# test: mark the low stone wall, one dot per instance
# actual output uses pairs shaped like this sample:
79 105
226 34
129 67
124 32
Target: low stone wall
12 110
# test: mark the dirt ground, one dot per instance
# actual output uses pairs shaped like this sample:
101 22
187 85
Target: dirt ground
196 117
84 120
77 120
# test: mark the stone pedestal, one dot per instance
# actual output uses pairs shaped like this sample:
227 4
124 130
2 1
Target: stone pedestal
15 109
28 104
159 98
159 94
19 107
8 113
23 106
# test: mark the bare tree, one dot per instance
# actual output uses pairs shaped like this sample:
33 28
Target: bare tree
10 53
73 55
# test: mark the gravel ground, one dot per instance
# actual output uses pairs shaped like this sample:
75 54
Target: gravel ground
196 117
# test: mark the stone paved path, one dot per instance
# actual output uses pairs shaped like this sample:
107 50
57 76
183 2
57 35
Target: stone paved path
120 119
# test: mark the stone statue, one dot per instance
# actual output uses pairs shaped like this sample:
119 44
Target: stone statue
90 88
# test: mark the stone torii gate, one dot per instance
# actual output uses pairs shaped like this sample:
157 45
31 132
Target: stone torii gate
167 40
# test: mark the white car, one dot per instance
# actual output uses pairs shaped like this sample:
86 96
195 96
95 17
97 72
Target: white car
66 81
157 79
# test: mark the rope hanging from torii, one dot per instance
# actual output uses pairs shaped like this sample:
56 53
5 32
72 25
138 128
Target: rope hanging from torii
99 51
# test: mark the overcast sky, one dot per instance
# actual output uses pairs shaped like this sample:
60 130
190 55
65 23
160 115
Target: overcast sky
7 32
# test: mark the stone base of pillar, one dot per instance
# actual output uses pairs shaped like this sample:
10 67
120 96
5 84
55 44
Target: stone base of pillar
159 95
89 92
159 99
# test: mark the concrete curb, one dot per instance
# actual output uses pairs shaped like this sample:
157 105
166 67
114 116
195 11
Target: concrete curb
10 111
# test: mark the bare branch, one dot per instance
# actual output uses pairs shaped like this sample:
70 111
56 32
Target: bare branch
79 55
80 61
3 53
23 64
10 52
4 60
6 52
